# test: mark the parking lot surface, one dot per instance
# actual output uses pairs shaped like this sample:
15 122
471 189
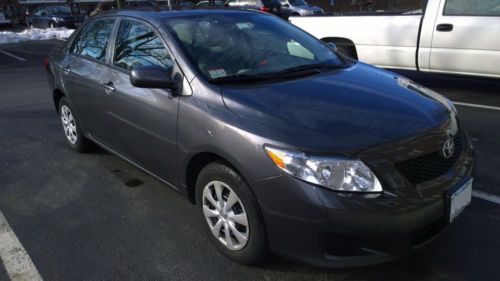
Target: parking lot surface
95 217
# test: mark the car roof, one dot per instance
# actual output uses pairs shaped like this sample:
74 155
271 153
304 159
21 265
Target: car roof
164 12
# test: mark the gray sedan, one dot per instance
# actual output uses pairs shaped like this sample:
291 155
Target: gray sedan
282 144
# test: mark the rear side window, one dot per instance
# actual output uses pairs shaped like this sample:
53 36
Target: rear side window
93 40
472 8
137 45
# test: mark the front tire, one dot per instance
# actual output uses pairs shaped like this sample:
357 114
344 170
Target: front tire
71 128
230 214
52 25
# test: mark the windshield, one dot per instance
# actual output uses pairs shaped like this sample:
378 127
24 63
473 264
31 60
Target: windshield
244 44
59 10
297 2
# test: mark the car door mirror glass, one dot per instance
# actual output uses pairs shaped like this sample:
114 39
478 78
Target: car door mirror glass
332 46
151 76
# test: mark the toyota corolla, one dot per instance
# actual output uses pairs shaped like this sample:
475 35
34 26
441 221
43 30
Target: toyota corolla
283 144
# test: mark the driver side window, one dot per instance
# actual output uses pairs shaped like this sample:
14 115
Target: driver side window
139 45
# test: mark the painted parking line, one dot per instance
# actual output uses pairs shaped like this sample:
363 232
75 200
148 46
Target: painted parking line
486 196
15 259
477 105
12 55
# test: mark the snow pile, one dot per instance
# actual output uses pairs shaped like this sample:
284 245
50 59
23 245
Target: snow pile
34 34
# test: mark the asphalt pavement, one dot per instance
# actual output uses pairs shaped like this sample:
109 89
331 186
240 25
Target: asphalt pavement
79 218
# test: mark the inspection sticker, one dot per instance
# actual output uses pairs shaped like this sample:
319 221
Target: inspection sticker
216 73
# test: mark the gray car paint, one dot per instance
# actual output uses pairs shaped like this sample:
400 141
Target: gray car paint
172 131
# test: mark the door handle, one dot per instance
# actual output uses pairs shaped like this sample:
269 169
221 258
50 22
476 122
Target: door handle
108 87
444 27
67 69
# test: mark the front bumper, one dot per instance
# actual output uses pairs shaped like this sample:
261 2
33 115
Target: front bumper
331 229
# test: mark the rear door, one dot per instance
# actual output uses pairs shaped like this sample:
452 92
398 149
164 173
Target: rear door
144 121
466 38
84 71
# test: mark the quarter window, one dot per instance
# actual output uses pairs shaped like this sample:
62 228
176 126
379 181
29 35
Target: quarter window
472 7
138 45
93 40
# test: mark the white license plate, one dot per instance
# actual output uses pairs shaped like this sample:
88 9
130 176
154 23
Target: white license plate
460 199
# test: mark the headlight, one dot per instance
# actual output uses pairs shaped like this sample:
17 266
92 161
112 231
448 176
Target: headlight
340 174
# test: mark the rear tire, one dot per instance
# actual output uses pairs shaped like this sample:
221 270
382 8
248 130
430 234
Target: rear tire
246 241
71 128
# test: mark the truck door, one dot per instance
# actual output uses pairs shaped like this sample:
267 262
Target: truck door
466 39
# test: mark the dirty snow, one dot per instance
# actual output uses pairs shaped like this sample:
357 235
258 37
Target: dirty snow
34 34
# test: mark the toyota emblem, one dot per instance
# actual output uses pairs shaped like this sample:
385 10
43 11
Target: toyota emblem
448 149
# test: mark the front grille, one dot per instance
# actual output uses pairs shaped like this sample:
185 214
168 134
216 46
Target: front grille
430 166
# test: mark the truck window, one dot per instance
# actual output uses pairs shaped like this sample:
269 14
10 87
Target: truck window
472 8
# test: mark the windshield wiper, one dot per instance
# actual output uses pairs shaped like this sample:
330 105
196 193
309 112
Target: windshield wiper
239 78
297 71
315 66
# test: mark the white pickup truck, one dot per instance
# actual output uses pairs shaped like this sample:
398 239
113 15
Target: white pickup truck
450 36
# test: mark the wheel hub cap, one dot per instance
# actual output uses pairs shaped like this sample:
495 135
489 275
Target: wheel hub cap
225 215
69 124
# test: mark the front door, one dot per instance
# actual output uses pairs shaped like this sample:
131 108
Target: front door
144 120
466 39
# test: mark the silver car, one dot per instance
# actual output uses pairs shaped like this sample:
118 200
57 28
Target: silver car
300 8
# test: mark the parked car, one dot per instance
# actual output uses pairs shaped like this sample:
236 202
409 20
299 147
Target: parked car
54 16
7 15
453 36
268 6
206 3
300 8
281 143
143 4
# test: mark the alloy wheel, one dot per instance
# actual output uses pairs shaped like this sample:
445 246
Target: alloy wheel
225 215
69 124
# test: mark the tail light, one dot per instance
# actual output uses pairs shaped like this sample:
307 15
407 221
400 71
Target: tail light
45 63
265 9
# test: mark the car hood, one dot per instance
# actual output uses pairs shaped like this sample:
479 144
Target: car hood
341 111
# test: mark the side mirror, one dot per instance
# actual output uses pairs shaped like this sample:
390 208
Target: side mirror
151 76
332 46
